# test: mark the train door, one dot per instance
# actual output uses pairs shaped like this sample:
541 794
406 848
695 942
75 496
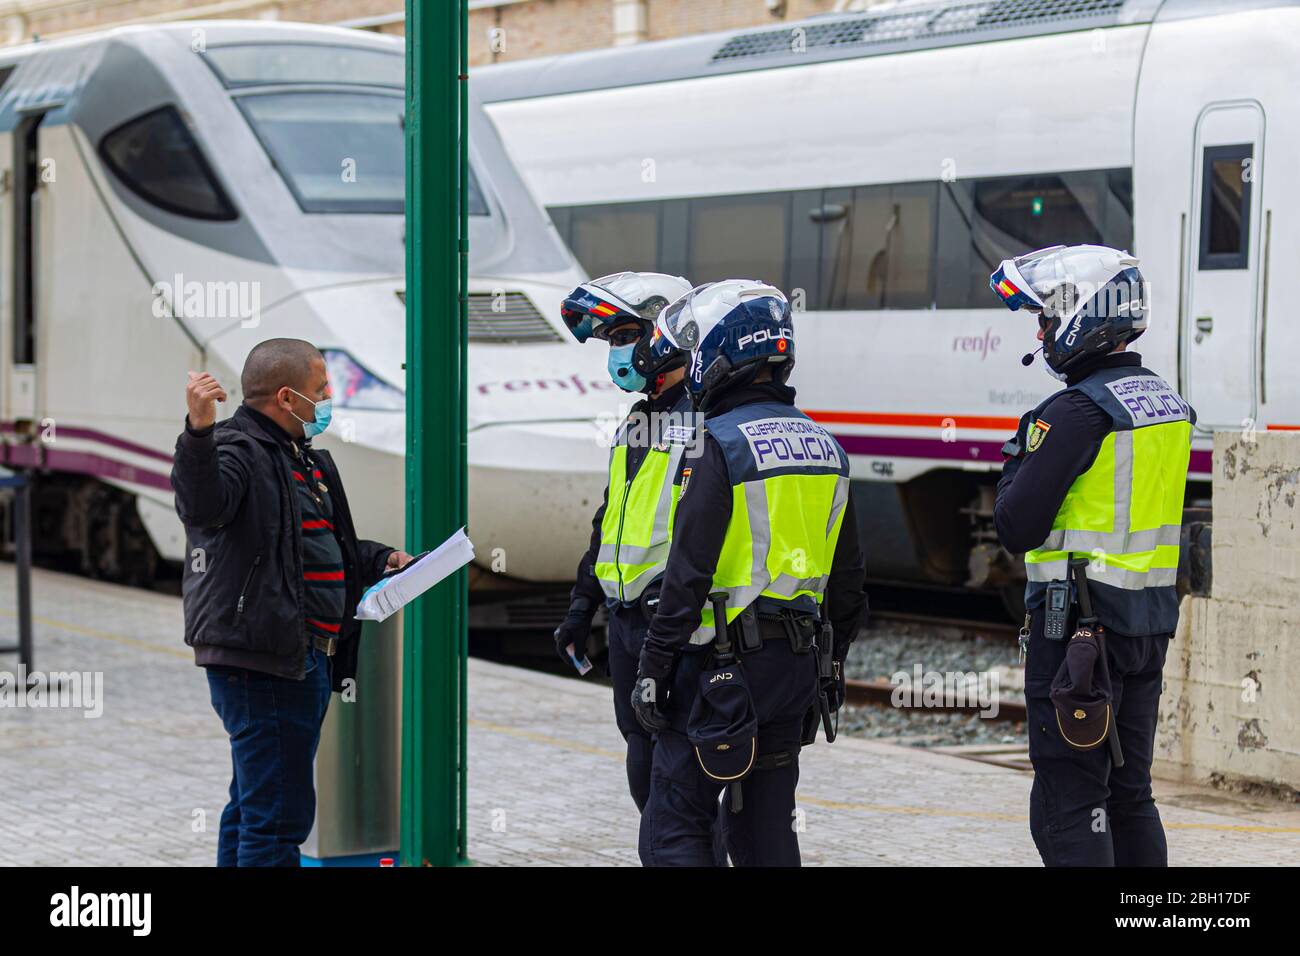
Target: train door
1221 321
23 217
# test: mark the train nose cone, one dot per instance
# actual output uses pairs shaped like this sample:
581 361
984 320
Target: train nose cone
533 489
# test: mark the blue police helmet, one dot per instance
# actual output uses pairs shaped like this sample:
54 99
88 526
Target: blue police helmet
730 329
1088 299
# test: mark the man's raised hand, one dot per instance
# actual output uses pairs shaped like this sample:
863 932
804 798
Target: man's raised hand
201 395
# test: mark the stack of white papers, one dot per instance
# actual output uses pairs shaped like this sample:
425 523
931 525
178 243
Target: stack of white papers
392 593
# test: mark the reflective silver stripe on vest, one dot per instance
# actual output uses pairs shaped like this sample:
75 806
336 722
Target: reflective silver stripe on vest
656 554
837 504
1124 482
760 530
1117 542
1112 542
631 554
1103 573
665 505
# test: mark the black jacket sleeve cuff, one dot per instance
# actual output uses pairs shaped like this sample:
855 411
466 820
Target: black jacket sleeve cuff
197 433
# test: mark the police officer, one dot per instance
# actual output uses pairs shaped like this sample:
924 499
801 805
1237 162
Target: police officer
1096 471
765 518
631 529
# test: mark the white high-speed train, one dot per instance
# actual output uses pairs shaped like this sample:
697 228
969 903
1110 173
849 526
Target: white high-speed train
880 165
173 195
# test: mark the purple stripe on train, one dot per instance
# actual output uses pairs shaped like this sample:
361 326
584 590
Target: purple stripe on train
1202 462
83 463
90 434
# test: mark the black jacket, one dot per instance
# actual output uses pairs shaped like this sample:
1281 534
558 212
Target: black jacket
699 528
1033 486
243 579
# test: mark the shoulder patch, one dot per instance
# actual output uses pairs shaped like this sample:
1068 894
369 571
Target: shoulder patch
686 476
1036 435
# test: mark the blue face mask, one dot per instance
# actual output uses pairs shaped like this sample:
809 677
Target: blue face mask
621 371
324 411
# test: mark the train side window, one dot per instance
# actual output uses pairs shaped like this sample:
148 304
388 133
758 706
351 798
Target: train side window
739 237
808 229
158 160
562 216
889 235
608 239
674 219
26 217
987 220
1225 207
476 201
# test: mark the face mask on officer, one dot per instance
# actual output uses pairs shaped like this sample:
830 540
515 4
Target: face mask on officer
622 342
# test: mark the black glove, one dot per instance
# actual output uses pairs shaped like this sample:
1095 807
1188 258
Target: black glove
646 695
576 630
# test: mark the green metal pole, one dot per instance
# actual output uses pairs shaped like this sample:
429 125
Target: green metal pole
463 395
434 639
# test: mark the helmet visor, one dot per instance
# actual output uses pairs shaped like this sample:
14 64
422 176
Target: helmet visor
586 313
688 321
1018 281
674 324
576 321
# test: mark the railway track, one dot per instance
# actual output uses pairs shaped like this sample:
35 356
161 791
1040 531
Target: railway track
881 693
971 615
968 614
992 629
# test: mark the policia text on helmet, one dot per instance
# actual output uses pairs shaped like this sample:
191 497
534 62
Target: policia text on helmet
1094 476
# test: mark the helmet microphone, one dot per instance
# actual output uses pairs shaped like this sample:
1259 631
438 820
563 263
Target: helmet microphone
1029 357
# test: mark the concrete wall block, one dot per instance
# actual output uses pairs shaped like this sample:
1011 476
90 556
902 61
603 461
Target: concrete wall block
1229 706
1256 518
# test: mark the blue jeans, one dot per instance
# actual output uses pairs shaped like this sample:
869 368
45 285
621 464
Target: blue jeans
274 726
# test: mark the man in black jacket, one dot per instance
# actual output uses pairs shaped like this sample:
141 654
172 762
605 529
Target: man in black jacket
275 570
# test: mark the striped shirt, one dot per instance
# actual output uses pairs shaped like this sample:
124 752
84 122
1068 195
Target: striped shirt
322 557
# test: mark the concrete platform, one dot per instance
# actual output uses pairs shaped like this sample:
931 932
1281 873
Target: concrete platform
145 782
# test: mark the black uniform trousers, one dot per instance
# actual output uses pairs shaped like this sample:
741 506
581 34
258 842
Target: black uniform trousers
626 633
1082 810
678 824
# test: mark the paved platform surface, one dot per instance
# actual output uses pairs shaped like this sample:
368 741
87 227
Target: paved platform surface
546 773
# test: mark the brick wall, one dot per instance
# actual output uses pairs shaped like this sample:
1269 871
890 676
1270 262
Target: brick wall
674 18
525 29
539 28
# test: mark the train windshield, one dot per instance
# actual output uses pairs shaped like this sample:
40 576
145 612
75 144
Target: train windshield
338 152
258 64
